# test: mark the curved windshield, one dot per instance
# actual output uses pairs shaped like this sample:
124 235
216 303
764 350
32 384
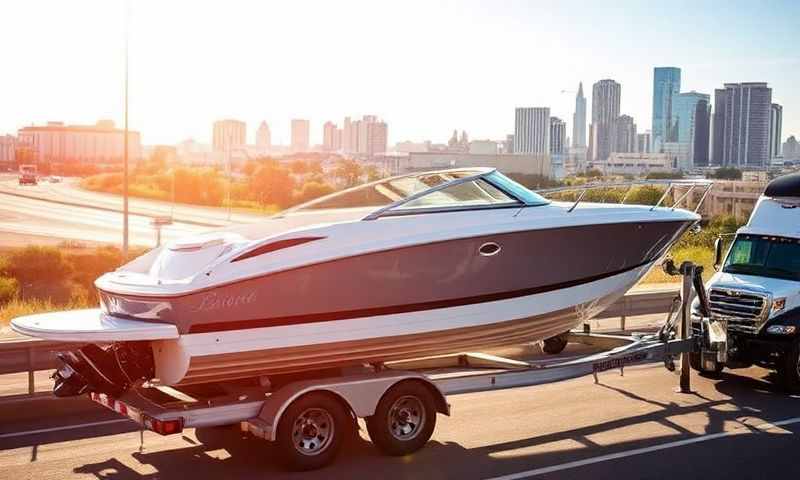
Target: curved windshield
764 256
478 188
470 193
522 193
386 192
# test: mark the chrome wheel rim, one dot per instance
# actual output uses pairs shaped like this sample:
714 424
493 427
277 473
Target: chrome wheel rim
312 431
406 417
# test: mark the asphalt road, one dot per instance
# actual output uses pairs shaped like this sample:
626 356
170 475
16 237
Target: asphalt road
634 426
54 212
69 192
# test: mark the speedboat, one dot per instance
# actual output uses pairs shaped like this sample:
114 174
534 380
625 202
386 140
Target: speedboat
416 265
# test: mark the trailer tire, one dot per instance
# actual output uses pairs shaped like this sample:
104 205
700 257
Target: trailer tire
311 431
554 345
790 368
404 419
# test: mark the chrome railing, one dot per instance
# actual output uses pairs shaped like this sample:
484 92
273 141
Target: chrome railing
671 185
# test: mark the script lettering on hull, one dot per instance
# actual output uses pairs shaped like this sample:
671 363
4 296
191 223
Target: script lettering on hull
213 301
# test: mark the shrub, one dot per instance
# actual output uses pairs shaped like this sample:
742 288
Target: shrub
87 266
312 190
9 289
36 263
17 308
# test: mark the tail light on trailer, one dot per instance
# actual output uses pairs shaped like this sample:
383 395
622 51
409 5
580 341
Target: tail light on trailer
163 427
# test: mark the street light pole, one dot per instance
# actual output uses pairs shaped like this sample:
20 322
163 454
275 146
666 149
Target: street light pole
125 232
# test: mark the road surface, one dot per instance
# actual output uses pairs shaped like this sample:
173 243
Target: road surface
634 426
49 213
69 192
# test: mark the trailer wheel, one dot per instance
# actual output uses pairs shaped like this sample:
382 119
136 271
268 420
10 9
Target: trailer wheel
554 345
790 369
404 419
311 431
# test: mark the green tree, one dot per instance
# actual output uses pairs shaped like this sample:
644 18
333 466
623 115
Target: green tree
314 167
299 167
9 289
312 190
664 175
40 272
644 195
726 173
272 184
372 173
591 173
348 171
87 266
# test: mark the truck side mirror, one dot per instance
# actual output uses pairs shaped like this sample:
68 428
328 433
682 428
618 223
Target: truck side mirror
717 253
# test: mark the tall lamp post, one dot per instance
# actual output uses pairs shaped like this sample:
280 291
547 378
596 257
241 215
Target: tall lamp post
125 232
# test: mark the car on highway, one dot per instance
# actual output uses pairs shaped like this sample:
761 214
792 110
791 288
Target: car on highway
27 175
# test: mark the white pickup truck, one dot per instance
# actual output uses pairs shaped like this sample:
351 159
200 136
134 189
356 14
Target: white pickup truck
756 289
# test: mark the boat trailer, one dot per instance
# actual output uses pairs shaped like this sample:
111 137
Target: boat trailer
309 418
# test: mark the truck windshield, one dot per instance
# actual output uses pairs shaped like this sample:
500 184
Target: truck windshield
765 256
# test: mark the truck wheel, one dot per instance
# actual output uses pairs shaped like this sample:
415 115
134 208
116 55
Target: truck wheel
790 369
554 345
404 419
311 431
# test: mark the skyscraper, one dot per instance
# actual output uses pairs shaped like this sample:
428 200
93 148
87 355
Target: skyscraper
625 135
508 145
347 133
643 142
791 148
300 135
702 134
605 112
263 137
329 136
689 129
579 119
742 124
666 83
229 135
366 137
718 129
532 130
558 136
775 125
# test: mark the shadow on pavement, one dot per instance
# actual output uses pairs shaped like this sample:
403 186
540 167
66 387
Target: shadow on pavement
226 453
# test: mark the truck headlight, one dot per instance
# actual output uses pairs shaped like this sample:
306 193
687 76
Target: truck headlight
781 329
778 304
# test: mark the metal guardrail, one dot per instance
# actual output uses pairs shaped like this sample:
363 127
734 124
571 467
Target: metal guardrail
29 355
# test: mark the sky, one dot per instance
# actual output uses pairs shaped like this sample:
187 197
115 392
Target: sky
426 67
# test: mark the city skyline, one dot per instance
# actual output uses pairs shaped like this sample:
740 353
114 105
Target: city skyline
252 73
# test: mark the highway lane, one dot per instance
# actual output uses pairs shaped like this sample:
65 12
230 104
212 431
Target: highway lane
634 426
25 216
68 191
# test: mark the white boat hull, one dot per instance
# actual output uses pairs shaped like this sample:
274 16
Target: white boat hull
209 357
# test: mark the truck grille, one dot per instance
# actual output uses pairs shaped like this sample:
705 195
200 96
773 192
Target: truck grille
744 311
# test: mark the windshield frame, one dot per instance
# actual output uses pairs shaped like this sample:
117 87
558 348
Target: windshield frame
486 175
520 195
760 270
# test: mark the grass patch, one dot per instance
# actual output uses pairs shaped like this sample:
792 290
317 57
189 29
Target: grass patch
17 308
699 255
